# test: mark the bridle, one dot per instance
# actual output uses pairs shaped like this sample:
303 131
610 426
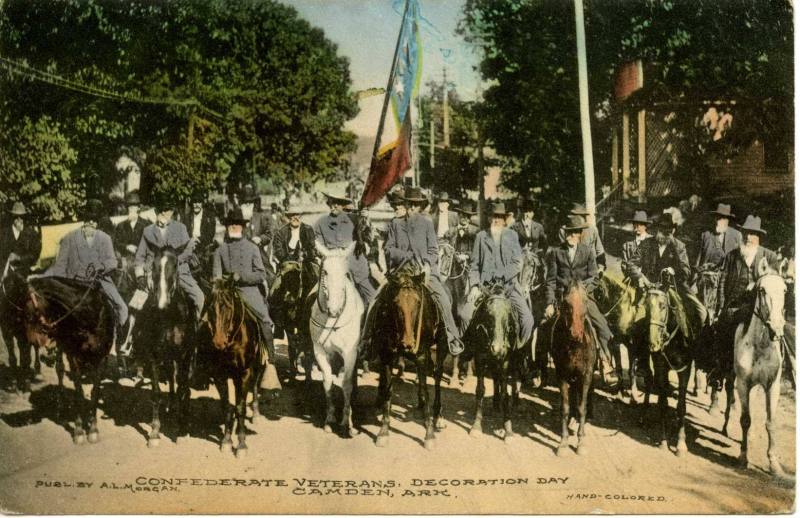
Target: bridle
763 301
663 326
91 275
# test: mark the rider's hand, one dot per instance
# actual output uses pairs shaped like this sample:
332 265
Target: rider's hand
131 248
549 311
643 282
601 267
256 240
474 293
141 283
236 277
462 256
668 270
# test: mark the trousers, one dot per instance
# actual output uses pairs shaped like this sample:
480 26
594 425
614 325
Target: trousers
117 302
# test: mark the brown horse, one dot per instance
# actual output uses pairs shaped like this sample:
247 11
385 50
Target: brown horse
76 318
12 329
411 327
575 355
230 346
492 335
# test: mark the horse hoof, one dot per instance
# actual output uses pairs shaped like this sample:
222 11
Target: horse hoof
382 441
93 437
508 438
681 451
664 446
349 433
327 428
724 431
241 452
430 444
475 431
582 450
440 425
153 442
562 450
79 439
775 468
743 461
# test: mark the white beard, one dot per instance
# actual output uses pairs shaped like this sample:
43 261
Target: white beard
496 232
721 227
247 211
235 235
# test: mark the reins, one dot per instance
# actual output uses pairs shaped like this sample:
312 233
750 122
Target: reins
91 274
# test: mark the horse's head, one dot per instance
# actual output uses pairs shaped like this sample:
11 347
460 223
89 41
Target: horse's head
222 314
291 274
657 310
496 321
707 285
408 299
770 299
573 309
165 277
333 279
35 308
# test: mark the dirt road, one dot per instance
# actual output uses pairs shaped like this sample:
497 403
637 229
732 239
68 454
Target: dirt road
293 466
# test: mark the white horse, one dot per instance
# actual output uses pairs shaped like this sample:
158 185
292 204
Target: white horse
758 356
335 327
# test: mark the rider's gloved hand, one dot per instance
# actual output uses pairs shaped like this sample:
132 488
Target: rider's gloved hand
669 271
474 293
141 283
131 248
549 311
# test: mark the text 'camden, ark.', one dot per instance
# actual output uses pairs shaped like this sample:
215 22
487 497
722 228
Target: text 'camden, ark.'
414 487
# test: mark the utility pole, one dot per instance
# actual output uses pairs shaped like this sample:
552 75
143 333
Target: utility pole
446 110
433 140
481 170
583 90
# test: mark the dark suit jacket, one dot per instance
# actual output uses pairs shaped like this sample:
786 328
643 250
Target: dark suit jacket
124 235
560 271
483 267
412 237
629 251
28 247
537 240
464 241
736 275
649 263
260 225
712 252
280 243
208 225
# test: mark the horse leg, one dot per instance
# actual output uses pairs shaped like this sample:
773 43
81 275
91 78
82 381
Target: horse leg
422 388
480 389
292 348
226 445
438 373
772 393
508 431
348 392
386 397
37 363
729 386
743 388
241 389
683 383
616 350
184 392
154 437
327 385
78 433
25 373
60 388
94 433
585 393
563 446
662 388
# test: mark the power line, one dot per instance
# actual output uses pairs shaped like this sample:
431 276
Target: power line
24 70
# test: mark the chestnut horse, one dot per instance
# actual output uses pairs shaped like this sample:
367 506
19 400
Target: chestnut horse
575 355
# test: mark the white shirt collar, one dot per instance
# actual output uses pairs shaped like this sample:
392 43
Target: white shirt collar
15 231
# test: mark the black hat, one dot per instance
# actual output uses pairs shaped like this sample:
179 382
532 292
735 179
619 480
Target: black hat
467 207
198 197
752 224
132 198
234 217
415 195
575 222
579 209
92 210
337 200
664 222
162 203
249 194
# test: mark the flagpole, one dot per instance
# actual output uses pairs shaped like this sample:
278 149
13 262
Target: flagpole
389 85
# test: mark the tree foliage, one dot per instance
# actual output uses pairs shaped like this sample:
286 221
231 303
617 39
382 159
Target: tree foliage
735 54
270 88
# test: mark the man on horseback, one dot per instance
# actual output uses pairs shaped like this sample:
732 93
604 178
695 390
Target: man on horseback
20 244
531 233
128 233
717 244
412 238
335 231
444 220
589 236
667 254
574 260
497 255
465 232
630 249
87 254
168 233
241 258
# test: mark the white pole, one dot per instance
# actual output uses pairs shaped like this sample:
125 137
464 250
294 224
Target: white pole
583 88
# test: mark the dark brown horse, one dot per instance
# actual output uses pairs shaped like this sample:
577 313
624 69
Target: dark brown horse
12 328
574 353
411 326
76 318
492 335
164 339
230 346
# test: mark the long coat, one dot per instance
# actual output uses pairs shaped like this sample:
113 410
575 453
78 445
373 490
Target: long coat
331 232
560 270
280 243
260 225
649 262
736 276
629 251
176 237
492 262
537 239
27 246
712 252
124 235
464 239
412 237
76 259
243 257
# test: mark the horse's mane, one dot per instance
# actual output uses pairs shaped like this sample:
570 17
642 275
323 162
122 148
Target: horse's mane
64 294
575 297
226 307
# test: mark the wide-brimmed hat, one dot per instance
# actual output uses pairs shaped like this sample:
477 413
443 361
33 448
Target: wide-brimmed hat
162 203
724 210
338 200
249 194
528 205
640 217
292 211
414 195
443 196
91 210
234 217
394 198
132 198
579 209
467 207
752 224
664 222
198 197
499 208
575 222
18 209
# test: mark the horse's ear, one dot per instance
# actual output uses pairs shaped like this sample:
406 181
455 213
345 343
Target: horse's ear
600 274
